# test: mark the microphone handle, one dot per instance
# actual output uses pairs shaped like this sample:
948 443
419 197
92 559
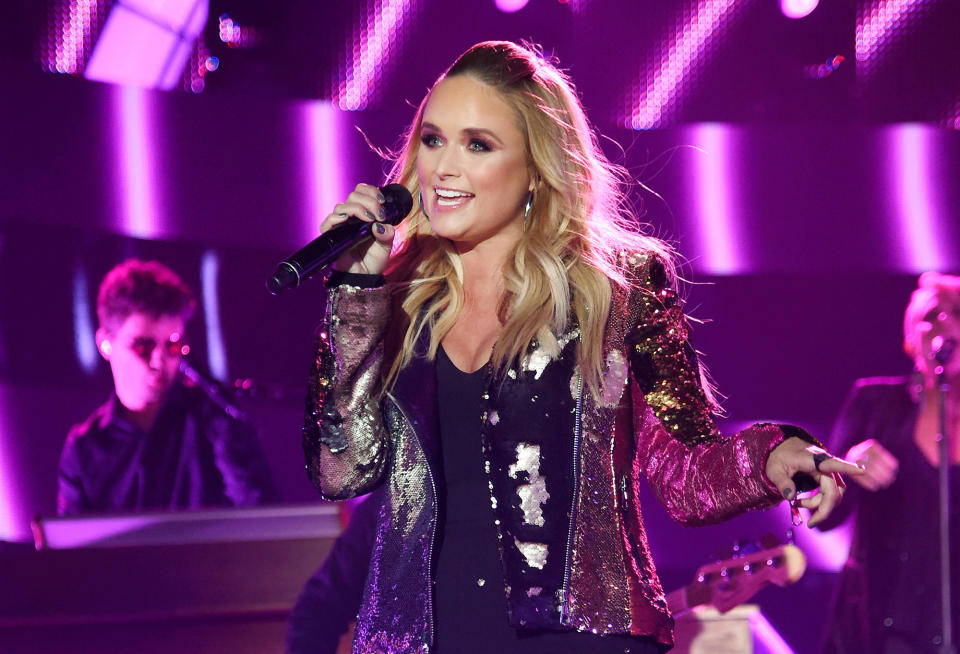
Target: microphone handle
319 253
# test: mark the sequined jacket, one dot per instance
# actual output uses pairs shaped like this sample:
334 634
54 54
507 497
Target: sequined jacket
563 465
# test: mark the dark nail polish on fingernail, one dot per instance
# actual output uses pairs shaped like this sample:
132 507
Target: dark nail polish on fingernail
380 198
370 215
381 229
383 213
787 493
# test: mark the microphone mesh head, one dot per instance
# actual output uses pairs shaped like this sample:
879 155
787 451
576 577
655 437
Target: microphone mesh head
397 203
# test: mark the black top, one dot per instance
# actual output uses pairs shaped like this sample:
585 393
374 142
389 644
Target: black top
470 608
194 456
888 598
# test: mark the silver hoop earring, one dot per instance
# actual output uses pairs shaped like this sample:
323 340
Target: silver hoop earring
420 200
526 210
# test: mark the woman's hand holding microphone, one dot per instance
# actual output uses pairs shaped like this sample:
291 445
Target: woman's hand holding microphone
369 204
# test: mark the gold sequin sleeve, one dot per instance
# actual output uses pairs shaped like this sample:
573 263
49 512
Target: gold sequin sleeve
699 475
345 443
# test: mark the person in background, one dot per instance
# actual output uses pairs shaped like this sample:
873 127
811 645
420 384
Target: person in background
888 596
158 442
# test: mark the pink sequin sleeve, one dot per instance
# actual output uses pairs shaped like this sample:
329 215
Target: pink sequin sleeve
345 442
698 475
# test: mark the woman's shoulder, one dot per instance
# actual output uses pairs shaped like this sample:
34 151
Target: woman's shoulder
648 269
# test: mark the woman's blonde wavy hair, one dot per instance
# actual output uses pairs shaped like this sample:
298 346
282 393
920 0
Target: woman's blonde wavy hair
578 229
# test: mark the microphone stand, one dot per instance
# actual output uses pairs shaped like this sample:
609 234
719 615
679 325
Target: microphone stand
942 356
212 389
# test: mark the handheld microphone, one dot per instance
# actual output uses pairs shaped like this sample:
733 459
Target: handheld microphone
324 250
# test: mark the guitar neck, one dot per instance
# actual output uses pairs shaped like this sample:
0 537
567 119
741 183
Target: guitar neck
726 584
683 599
677 601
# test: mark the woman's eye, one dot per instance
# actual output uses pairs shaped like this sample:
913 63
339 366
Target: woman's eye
479 145
430 140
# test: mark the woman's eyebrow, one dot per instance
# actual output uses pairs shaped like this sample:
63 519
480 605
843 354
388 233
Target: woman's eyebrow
482 131
468 131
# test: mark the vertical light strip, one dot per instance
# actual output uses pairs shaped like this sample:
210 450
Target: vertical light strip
911 168
325 163
10 516
83 330
135 160
375 46
209 278
721 244
878 26
684 53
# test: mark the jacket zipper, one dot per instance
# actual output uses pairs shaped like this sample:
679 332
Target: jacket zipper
433 523
577 426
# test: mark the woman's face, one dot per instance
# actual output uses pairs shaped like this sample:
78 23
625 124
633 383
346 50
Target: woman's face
472 164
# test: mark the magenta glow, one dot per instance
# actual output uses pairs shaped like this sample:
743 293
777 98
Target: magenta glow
880 24
375 45
510 6
719 234
915 191
11 518
324 163
684 52
71 35
135 163
798 8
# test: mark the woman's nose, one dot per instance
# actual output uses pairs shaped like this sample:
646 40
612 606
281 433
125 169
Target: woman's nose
448 164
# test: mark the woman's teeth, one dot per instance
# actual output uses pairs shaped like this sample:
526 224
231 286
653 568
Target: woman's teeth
448 198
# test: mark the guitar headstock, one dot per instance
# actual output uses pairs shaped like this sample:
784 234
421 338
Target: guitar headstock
729 583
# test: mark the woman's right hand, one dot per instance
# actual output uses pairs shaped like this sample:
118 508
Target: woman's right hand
371 256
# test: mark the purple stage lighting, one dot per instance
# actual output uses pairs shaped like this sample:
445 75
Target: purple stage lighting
216 350
73 27
147 43
83 323
768 639
510 6
825 550
684 53
375 46
798 8
911 169
880 24
721 243
953 117
135 161
325 163
236 35
10 517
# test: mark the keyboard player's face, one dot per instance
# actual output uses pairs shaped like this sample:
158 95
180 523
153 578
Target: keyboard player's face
144 356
